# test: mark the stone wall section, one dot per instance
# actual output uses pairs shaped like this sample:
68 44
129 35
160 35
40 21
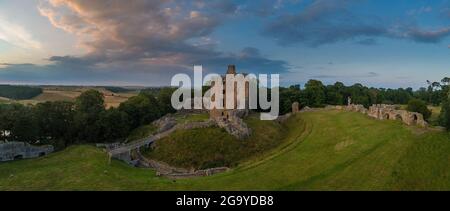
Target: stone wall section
19 150
386 112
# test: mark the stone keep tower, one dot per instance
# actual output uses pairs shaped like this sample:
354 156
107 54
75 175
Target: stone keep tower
229 114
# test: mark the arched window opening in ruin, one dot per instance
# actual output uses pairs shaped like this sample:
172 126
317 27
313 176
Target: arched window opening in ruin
18 157
42 154
415 118
386 116
398 117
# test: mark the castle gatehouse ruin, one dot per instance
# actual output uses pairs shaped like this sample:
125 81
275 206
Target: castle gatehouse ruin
19 150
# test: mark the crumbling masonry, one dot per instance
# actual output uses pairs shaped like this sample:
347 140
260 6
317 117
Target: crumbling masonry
231 119
389 112
386 112
20 150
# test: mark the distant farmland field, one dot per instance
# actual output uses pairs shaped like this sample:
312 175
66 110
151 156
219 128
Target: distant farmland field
62 93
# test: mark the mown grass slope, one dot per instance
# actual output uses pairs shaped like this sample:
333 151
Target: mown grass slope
326 150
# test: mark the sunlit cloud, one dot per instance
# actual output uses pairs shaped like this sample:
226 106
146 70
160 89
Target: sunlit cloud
17 36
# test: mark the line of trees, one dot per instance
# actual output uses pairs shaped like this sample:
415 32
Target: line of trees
19 92
84 121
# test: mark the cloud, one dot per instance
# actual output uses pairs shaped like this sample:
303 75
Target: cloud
420 35
322 22
421 10
330 21
141 41
372 74
147 31
17 36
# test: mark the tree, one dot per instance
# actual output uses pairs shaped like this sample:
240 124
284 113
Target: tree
315 93
164 99
55 122
419 106
141 109
88 106
334 95
113 125
18 120
445 113
446 81
287 97
91 101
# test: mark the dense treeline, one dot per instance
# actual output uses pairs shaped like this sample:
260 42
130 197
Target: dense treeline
84 121
117 89
19 92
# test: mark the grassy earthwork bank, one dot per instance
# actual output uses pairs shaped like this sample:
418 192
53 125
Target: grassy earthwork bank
324 150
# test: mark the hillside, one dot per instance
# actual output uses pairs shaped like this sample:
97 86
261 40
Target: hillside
326 150
214 147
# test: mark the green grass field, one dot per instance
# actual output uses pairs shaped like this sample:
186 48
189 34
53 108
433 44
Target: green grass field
326 150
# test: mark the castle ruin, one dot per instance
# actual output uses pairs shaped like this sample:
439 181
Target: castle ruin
231 119
19 150
389 112
385 112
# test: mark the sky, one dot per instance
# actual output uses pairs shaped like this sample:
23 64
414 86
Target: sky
379 43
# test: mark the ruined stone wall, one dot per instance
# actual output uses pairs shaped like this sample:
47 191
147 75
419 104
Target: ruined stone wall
389 112
235 126
356 108
386 112
20 150
164 169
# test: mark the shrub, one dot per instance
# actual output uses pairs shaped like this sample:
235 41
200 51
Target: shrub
419 106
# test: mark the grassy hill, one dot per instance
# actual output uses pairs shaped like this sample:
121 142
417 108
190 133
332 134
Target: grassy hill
326 150
214 147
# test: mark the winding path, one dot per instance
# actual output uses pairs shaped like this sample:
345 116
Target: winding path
124 152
